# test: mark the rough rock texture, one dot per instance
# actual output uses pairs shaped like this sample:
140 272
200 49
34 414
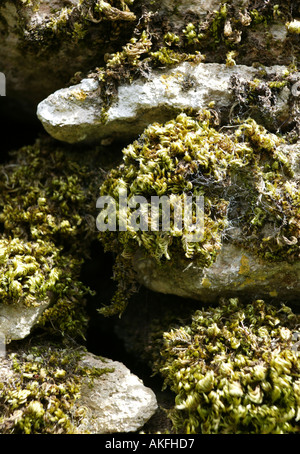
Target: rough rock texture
17 321
118 401
75 114
179 8
236 271
65 389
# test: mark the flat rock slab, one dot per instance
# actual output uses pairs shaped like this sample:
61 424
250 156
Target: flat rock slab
78 114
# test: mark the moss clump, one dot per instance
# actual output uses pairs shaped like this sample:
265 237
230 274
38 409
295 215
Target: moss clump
293 27
28 271
131 53
41 395
188 156
233 370
162 162
47 195
230 58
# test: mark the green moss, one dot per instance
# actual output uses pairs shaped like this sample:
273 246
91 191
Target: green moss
188 156
277 84
47 195
171 39
257 18
130 55
28 271
161 163
217 24
230 58
233 370
169 57
293 27
190 34
41 394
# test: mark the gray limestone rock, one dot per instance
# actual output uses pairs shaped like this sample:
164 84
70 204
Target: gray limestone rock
73 114
17 321
177 10
117 402
76 114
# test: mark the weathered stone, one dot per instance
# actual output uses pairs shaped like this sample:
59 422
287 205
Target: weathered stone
75 114
178 9
17 321
235 272
103 396
117 402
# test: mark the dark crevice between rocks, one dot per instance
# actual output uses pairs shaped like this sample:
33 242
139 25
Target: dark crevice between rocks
101 336
17 127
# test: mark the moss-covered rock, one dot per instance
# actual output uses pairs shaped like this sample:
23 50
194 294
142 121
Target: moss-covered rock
51 387
250 188
84 112
39 389
234 368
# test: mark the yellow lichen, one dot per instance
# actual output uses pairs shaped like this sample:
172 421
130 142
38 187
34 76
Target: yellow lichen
244 268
